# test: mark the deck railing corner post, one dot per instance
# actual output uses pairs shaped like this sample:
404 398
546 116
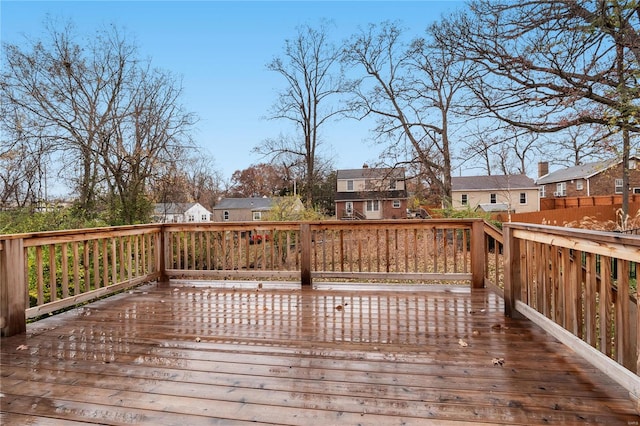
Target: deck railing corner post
12 288
477 254
162 254
511 271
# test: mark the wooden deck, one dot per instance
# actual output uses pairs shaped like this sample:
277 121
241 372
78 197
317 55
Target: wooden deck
184 355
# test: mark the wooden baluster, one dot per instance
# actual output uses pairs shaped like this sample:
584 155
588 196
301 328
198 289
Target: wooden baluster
64 263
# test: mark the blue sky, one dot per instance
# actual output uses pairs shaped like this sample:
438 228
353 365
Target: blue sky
220 50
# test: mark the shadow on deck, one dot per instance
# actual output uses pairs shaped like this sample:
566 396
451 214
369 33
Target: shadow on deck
189 355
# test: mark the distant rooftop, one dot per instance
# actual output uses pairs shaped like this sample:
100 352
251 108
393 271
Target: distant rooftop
493 182
171 208
371 173
583 171
251 203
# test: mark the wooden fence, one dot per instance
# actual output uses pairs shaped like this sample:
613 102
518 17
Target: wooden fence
598 200
561 217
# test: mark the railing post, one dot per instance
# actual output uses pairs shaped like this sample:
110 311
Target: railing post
512 284
161 244
305 254
477 254
12 288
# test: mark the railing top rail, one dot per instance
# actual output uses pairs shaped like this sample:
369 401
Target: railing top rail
588 234
599 242
69 235
318 224
154 227
493 232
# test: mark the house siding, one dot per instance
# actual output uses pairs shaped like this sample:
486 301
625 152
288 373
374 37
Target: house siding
508 197
387 211
235 215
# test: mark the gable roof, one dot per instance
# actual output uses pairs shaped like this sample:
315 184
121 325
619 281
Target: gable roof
371 173
160 209
251 203
493 182
583 171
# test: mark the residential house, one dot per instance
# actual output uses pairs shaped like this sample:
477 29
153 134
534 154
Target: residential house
371 193
496 193
248 209
587 180
180 212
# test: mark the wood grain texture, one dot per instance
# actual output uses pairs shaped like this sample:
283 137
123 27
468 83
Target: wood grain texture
190 355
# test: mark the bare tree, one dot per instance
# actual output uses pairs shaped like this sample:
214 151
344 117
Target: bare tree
108 115
204 179
69 97
411 89
191 176
151 127
22 165
548 65
581 144
311 68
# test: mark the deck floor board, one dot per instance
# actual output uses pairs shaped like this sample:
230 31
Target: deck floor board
190 355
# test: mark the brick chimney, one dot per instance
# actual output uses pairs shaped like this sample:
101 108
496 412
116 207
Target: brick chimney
543 168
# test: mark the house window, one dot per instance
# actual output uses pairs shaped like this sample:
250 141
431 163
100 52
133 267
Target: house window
633 164
204 218
561 189
464 199
543 191
494 198
523 198
636 190
579 185
225 215
373 205
618 184
349 185
257 215
396 204
192 218
392 184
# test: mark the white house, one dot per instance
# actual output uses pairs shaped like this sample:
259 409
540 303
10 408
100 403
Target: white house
515 193
180 212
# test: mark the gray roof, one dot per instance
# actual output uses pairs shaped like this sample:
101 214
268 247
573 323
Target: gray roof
161 209
252 203
495 207
583 171
494 182
371 173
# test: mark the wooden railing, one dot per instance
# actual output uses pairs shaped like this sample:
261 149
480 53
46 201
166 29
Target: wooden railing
437 250
581 286
42 273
